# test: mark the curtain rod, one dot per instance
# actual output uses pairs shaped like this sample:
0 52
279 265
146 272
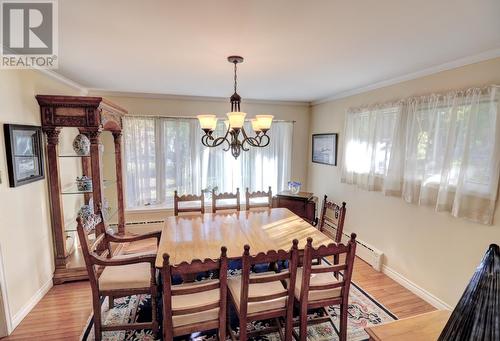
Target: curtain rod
186 117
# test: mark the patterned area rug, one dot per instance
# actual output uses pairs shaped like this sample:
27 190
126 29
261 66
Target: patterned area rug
364 311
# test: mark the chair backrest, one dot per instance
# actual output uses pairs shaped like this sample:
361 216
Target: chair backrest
196 266
275 257
191 198
225 196
258 194
336 250
332 217
98 246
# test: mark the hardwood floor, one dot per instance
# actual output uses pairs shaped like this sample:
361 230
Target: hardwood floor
63 312
60 315
399 300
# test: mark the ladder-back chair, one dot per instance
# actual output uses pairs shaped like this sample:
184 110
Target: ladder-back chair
195 306
332 218
267 295
320 286
259 194
188 198
216 198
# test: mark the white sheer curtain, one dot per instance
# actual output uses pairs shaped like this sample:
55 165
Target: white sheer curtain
452 153
178 150
140 160
441 150
161 155
166 154
369 137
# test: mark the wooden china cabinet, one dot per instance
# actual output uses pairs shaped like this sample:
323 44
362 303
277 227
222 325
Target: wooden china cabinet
100 121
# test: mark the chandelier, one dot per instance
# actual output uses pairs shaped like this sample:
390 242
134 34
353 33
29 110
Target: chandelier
234 124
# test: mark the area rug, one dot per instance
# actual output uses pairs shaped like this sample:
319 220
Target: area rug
364 311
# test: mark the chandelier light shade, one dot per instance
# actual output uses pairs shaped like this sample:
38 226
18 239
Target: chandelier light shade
236 119
236 138
255 125
264 121
207 122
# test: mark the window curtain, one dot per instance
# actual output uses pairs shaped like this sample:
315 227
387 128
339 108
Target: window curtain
140 160
178 151
369 137
173 158
440 150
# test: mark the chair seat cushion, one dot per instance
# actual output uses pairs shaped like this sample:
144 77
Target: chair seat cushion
256 290
318 279
140 246
133 255
193 301
132 276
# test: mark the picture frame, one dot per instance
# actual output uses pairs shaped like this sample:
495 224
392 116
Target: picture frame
23 146
324 148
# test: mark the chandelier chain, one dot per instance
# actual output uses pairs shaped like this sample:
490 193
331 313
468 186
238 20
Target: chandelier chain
235 76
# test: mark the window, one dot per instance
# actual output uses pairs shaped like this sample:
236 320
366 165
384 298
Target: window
165 154
439 150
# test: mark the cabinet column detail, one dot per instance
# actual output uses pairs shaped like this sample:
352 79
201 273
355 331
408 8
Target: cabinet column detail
56 209
95 155
117 136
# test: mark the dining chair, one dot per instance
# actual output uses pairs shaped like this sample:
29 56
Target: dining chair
332 218
266 295
320 286
256 195
332 221
194 306
118 276
216 198
189 198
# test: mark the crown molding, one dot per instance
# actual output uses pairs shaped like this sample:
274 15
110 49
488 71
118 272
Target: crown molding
491 54
54 75
116 93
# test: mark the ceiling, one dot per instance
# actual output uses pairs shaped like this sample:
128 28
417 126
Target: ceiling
294 50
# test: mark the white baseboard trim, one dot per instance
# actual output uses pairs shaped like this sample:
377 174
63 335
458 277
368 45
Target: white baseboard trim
420 292
21 314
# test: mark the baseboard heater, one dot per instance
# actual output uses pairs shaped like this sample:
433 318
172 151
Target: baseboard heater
366 252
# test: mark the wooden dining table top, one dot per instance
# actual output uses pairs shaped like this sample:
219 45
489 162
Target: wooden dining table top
190 237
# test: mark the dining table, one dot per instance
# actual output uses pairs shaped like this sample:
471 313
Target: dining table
201 236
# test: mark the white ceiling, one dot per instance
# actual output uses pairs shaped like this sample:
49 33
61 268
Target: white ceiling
294 50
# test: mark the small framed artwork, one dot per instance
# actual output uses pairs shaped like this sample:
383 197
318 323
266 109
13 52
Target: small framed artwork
23 146
324 149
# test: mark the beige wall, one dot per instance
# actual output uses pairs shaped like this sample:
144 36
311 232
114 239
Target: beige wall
191 107
25 233
434 250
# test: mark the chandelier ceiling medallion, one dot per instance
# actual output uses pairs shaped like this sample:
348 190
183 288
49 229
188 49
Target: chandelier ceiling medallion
234 124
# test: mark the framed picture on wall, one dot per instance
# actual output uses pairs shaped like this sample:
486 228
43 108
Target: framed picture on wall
23 146
324 149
